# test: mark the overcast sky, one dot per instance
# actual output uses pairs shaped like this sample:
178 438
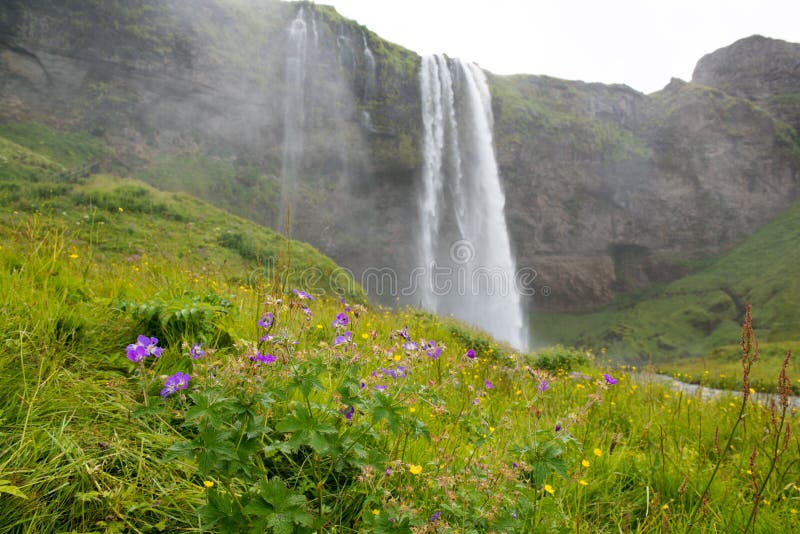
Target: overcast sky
640 43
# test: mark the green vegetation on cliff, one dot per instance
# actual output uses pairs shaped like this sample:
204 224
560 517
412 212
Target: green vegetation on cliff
701 311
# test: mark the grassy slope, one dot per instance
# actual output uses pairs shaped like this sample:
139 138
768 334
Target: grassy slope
702 311
126 220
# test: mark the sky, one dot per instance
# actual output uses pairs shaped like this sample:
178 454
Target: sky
641 43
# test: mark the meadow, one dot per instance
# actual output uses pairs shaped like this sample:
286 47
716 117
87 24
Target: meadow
168 367
267 408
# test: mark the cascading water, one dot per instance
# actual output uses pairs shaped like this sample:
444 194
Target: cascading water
371 80
294 115
464 247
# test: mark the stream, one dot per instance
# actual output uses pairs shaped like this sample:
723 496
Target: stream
706 393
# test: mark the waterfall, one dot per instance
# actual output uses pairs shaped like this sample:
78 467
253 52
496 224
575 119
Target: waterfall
371 79
463 246
294 115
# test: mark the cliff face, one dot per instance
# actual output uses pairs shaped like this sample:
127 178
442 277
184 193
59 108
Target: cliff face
607 189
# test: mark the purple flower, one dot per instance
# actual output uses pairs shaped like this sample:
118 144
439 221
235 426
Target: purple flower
266 338
404 333
380 387
144 347
514 465
263 358
174 383
348 413
302 294
558 427
435 517
432 350
341 321
197 352
488 384
135 352
410 345
388 472
610 380
307 311
344 338
471 354
543 385
266 320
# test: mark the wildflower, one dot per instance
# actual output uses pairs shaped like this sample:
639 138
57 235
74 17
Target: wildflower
585 462
543 385
610 380
307 311
549 489
409 345
73 256
598 452
432 350
263 358
376 512
144 346
340 321
175 383
364 336
344 338
266 320
435 517
415 469
583 482
302 294
488 384
471 354
267 338
208 484
348 413
197 352
380 387
558 427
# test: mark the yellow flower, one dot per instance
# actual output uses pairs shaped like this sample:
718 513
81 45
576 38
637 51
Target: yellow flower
585 462
208 484
364 336
549 489
583 482
491 429
412 409
319 326
752 391
376 512
598 452
397 357
415 469
73 255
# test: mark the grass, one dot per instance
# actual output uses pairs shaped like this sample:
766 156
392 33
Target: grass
503 442
473 441
701 312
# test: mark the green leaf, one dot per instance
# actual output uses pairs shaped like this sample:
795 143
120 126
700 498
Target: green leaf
6 487
307 430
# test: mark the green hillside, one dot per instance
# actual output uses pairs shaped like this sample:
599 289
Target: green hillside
701 311
47 173
270 405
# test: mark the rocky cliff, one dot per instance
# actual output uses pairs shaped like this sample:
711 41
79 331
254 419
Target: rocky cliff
607 189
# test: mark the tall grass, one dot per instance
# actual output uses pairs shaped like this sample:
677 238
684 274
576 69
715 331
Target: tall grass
494 443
